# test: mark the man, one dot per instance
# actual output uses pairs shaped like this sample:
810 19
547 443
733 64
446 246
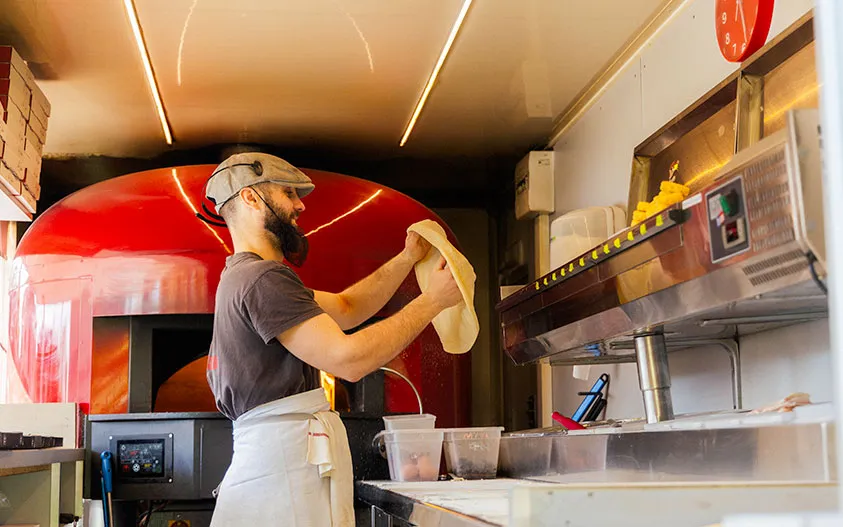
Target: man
271 334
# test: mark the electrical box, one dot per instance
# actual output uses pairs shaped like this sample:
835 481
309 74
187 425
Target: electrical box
534 192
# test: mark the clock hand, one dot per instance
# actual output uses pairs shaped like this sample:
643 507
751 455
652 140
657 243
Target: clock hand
743 19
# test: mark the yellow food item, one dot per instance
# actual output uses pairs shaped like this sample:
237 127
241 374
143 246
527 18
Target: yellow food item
653 209
663 201
669 187
638 216
670 193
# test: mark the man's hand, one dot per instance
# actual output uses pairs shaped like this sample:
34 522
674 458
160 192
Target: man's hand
443 288
415 247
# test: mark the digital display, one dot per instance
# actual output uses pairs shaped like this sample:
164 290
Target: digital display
142 458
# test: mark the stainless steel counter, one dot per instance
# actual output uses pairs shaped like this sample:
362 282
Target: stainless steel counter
452 503
519 503
728 446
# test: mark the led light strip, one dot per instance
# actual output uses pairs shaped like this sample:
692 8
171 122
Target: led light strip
131 12
432 80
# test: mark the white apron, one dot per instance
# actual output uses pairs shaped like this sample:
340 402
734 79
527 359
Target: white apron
291 467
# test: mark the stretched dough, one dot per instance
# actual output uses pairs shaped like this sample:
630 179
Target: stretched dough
457 326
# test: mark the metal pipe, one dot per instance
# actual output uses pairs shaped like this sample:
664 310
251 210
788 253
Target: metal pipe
654 377
418 397
734 352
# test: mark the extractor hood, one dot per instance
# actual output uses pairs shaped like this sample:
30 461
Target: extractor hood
746 253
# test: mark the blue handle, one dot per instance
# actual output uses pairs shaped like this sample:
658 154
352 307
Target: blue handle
107 483
589 399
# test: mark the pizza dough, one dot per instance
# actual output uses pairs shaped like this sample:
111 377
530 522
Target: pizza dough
457 326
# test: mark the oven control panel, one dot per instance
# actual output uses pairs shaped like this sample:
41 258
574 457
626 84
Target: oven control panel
728 222
143 459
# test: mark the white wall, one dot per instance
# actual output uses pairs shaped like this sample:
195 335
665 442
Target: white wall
593 163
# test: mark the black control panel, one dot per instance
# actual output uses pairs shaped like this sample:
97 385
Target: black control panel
728 225
140 459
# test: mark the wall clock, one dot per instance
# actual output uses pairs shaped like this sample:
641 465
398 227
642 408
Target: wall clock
742 27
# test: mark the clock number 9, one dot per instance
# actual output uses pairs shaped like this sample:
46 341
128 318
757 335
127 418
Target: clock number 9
723 17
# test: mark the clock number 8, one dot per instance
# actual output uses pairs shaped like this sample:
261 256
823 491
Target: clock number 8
728 39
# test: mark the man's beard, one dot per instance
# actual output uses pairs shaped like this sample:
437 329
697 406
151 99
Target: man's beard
287 238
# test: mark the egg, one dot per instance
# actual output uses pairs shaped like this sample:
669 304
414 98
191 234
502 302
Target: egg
410 472
427 470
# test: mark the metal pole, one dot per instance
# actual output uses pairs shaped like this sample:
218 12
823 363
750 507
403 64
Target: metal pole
544 372
828 21
654 377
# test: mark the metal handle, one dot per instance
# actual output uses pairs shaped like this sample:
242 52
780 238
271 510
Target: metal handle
418 397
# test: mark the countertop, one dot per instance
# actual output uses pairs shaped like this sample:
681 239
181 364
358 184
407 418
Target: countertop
521 503
468 503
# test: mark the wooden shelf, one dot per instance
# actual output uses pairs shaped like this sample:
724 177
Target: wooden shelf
15 461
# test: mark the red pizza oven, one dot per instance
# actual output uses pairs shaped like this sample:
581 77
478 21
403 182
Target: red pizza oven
113 293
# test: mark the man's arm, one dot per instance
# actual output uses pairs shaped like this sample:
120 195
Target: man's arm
321 343
364 299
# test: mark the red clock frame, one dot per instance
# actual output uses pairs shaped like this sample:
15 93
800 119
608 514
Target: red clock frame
742 27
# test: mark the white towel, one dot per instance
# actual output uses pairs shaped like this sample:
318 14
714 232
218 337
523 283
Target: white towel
327 447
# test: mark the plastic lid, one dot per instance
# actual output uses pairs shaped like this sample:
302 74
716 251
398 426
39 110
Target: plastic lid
453 433
408 434
408 416
473 429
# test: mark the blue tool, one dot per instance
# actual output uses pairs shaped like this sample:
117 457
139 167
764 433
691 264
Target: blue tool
107 487
590 397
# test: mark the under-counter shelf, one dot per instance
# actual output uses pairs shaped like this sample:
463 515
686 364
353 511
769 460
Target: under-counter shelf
17 461
41 484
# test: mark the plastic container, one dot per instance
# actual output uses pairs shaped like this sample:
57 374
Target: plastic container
472 453
525 454
409 422
413 455
580 231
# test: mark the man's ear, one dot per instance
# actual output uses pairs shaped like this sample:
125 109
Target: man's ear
250 198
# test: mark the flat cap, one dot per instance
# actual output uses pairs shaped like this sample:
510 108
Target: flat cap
244 170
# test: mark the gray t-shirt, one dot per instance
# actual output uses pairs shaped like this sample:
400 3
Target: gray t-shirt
256 301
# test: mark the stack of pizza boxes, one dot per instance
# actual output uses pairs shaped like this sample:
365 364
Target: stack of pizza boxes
23 129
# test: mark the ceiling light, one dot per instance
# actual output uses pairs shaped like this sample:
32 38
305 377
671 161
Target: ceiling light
435 73
132 13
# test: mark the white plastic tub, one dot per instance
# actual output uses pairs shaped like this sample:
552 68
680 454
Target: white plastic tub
413 455
472 453
409 422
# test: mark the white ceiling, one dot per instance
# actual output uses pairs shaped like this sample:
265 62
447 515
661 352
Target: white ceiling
329 74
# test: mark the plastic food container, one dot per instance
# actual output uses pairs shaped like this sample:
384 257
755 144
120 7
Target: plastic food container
413 455
525 454
472 453
411 421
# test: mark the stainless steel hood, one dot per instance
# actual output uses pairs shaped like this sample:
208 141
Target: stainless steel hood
741 253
